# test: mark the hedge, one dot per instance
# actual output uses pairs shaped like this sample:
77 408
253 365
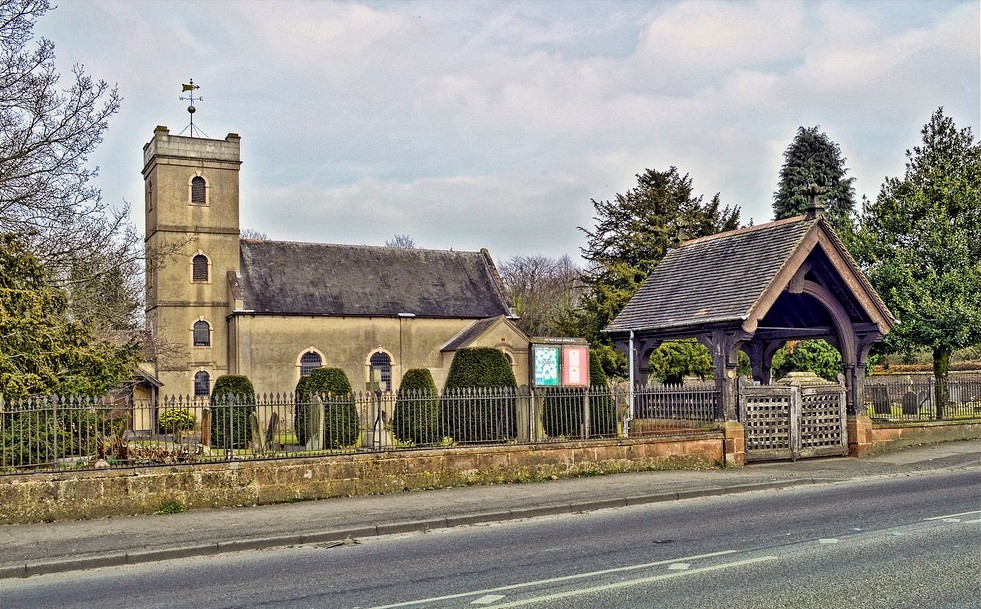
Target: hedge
416 416
332 387
479 401
232 407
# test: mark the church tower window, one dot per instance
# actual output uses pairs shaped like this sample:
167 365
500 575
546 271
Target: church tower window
199 191
199 268
202 334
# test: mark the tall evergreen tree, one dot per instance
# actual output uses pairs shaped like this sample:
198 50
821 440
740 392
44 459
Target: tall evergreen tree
42 348
633 233
919 244
812 158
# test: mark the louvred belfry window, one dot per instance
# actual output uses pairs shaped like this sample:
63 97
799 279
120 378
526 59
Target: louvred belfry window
198 193
199 268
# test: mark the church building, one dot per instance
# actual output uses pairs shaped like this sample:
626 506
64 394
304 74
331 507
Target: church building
275 310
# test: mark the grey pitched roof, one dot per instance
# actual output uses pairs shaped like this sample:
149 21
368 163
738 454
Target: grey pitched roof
290 278
714 279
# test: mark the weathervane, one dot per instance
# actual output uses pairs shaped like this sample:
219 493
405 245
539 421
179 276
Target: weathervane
191 87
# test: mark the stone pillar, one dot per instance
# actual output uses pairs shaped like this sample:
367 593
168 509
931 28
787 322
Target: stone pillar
859 435
735 444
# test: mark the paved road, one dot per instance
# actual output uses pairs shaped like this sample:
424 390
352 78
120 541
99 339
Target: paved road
67 546
895 541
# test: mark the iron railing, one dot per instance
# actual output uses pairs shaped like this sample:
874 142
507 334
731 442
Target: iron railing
52 433
905 399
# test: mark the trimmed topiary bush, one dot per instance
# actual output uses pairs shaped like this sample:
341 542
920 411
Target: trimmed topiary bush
341 426
416 416
480 397
232 407
304 395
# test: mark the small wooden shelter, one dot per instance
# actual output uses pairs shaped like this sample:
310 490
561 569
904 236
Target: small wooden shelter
753 289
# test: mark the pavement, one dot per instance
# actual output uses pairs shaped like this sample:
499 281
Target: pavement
76 545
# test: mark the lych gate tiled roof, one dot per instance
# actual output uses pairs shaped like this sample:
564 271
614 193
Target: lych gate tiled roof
289 278
714 279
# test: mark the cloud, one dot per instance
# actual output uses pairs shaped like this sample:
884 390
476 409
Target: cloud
472 125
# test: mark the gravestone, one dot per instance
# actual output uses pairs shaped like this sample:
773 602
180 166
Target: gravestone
880 399
911 403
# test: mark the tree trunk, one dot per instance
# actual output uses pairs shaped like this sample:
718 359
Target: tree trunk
941 365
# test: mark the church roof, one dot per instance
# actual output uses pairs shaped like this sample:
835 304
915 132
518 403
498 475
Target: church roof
728 278
291 278
471 333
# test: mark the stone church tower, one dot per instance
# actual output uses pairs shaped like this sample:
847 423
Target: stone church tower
192 240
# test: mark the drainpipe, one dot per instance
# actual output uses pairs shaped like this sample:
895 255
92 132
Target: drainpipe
630 377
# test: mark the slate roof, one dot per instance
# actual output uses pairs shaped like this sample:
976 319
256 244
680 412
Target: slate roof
714 279
291 278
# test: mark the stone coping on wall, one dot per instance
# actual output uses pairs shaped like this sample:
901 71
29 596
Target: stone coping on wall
892 435
39 497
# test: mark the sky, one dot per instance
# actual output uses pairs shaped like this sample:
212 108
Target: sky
467 125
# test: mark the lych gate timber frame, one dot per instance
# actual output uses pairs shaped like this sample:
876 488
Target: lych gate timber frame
752 290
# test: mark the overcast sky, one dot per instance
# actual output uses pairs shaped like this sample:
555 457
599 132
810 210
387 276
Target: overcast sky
493 124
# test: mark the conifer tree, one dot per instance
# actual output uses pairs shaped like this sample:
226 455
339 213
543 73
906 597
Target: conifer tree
633 233
812 158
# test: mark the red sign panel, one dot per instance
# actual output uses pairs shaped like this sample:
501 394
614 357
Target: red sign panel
575 366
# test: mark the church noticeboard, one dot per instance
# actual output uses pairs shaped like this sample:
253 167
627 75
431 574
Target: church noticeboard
560 365
546 359
575 366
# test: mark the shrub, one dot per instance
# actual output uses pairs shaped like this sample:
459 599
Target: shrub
331 385
304 395
232 407
815 356
416 416
479 402
176 421
46 431
604 409
562 411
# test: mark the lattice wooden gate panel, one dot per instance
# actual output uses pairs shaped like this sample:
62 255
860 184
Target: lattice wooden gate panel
791 422
823 429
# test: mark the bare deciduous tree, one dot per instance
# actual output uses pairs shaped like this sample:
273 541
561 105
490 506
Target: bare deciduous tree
542 290
401 241
47 199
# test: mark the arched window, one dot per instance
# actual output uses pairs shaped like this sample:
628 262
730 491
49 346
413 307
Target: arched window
199 268
202 384
202 334
199 193
149 195
309 362
380 361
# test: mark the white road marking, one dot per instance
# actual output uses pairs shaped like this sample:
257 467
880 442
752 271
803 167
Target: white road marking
679 566
827 541
632 582
553 580
487 600
953 515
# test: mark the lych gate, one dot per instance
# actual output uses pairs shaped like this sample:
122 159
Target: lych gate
752 290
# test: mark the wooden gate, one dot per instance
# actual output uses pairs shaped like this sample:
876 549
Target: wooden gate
793 421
